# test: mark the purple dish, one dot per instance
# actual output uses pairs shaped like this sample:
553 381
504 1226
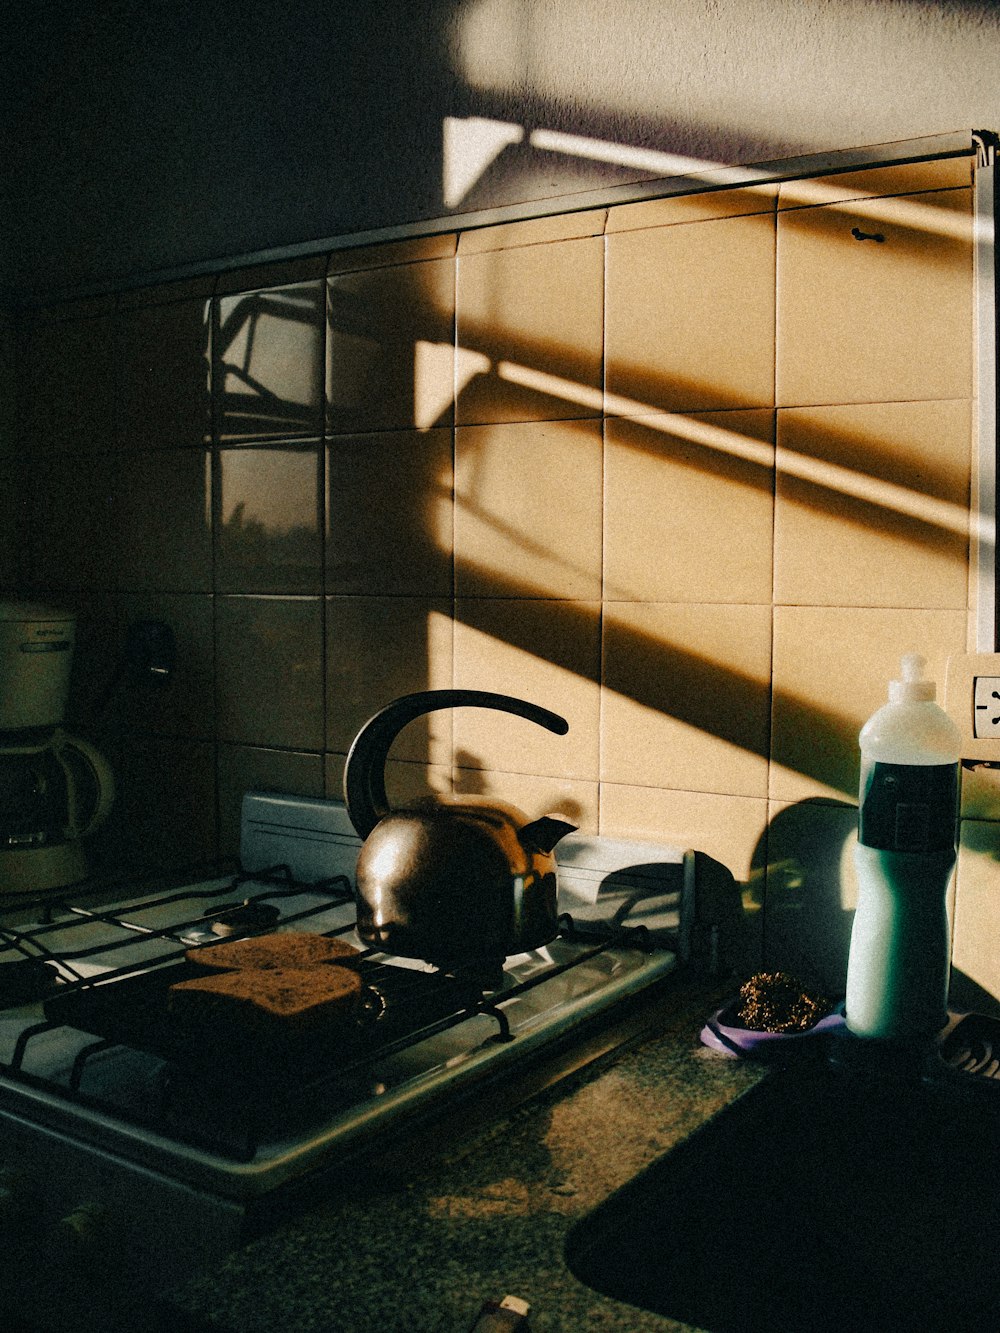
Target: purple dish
724 1032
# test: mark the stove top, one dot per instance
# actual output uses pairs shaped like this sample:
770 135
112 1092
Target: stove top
84 1050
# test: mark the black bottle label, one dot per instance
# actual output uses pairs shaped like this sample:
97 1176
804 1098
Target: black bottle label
908 807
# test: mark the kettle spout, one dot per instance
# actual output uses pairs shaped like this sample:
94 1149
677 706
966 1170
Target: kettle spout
541 835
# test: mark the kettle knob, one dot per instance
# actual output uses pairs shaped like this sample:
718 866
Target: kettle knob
541 835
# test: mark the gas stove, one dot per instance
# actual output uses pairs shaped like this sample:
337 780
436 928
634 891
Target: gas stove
123 1158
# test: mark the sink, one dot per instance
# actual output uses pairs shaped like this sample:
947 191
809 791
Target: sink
825 1200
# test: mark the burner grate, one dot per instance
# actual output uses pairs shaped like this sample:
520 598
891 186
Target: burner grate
107 972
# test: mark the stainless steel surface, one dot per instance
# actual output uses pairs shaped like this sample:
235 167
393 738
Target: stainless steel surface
454 882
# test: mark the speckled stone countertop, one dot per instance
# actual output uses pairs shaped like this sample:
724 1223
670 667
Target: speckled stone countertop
463 1220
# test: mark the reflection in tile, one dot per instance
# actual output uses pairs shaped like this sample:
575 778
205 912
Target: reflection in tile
268 363
269 678
528 510
390 356
390 513
676 490
686 696
267 535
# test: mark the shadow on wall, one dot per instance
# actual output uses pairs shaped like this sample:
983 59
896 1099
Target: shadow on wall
265 389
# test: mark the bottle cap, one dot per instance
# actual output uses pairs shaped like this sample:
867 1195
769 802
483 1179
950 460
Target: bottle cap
912 688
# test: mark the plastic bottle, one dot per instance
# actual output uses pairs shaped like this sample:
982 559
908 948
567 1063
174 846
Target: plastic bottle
898 968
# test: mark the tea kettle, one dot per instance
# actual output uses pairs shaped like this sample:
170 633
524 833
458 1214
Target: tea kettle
458 883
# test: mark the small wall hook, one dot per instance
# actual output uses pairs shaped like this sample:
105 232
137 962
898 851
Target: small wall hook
860 235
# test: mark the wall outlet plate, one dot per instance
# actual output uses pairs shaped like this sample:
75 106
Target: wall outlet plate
971 682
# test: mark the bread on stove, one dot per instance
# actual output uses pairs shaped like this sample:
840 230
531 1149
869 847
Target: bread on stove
266 1003
283 948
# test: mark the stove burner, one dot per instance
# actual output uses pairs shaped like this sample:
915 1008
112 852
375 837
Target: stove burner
250 917
247 918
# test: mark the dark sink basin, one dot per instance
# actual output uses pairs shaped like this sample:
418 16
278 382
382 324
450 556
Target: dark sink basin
822 1201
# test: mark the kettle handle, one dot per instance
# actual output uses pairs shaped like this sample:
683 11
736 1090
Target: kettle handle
364 772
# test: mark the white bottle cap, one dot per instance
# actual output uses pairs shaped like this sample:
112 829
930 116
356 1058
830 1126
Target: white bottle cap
912 688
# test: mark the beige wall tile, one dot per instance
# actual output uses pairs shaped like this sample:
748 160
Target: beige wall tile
67 388
100 630
576 802
703 207
871 505
528 510
726 833
163 818
267 357
282 273
535 231
690 318
811 891
162 376
676 489
686 696
268 671
162 507
530 332
831 672
268 508
901 178
545 652
167 293
185 706
390 514
406 782
390 360
729 829
981 794
975 982
379 648
875 321
80 550
416 248
244 768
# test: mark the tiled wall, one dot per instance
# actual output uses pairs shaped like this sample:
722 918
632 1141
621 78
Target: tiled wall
692 472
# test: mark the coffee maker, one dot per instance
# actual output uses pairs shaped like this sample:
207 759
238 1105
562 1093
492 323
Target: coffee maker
55 788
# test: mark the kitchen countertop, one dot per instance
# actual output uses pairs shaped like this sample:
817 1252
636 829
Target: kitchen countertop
456 1217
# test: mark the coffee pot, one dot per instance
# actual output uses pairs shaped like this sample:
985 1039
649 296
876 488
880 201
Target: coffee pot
55 788
459 883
